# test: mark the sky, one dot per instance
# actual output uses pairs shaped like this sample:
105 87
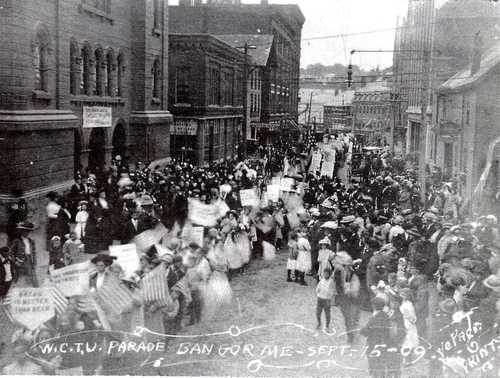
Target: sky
333 17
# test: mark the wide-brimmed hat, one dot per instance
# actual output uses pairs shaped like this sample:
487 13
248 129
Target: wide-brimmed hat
325 241
314 212
398 219
342 258
348 219
25 226
146 200
448 305
407 212
106 259
492 282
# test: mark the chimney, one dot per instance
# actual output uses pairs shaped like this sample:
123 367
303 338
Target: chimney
476 53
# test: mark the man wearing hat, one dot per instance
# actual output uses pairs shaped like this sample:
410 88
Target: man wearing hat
314 237
6 271
24 253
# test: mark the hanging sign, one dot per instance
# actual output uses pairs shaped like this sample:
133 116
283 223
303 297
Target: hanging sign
327 169
72 280
31 306
97 116
184 127
315 162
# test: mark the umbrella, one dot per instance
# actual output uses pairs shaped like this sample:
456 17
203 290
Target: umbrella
331 224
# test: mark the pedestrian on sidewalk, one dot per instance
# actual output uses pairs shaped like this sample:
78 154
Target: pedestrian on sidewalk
325 292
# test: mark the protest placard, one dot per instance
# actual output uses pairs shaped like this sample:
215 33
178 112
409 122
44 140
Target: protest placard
273 193
329 155
327 169
72 280
249 197
287 184
197 234
126 256
276 181
202 214
315 162
31 307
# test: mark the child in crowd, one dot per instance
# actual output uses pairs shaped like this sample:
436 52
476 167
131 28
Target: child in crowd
72 249
325 255
325 292
292 257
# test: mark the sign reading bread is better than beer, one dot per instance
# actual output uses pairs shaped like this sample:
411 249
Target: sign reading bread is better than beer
97 116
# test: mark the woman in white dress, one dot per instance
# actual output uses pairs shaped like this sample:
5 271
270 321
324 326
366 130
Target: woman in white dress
410 319
303 257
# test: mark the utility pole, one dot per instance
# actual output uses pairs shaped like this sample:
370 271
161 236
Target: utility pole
245 48
422 172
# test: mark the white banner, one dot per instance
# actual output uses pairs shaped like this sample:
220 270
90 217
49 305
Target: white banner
287 184
72 280
273 193
329 156
327 169
197 235
126 256
202 214
249 197
31 306
97 116
315 162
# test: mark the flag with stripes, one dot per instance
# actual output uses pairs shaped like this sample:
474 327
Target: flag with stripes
59 300
113 297
155 287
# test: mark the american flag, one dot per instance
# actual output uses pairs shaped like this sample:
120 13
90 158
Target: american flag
155 287
59 300
113 297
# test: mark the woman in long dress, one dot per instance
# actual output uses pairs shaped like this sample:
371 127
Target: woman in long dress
410 319
303 264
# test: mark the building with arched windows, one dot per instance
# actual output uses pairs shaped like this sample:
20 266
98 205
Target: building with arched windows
80 81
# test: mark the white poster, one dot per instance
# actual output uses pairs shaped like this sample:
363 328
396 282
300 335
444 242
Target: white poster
202 214
97 116
72 280
197 235
327 169
315 162
31 307
126 256
287 184
249 197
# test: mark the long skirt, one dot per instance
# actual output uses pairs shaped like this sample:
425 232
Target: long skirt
303 262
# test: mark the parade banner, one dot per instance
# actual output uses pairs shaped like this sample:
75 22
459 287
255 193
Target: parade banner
249 197
287 184
327 169
276 181
329 155
127 257
197 235
31 307
315 162
202 214
72 280
273 193
148 238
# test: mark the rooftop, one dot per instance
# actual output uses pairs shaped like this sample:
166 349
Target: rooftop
262 42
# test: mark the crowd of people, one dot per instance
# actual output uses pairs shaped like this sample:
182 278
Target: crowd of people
361 235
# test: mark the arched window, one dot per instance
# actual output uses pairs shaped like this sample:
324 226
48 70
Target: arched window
85 71
111 68
74 76
156 79
40 59
120 63
99 73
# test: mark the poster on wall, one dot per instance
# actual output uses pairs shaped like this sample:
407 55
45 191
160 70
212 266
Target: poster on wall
184 127
97 116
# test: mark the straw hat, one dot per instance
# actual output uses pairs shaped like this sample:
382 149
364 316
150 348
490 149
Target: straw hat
26 226
493 283
325 241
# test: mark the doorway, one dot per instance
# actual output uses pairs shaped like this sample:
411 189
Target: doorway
97 147
119 141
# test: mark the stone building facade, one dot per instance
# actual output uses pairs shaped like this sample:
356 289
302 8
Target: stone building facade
61 59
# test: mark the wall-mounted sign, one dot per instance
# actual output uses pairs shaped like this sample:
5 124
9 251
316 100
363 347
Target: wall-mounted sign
97 116
184 127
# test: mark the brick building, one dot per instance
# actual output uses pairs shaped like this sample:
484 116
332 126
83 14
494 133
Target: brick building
61 59
205 98
280 79
467 122
372 113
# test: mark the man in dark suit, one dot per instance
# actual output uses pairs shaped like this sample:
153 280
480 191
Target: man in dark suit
377 333
6 271
133 227
24 253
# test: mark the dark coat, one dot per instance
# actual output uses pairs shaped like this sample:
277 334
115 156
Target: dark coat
24 264
376 330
